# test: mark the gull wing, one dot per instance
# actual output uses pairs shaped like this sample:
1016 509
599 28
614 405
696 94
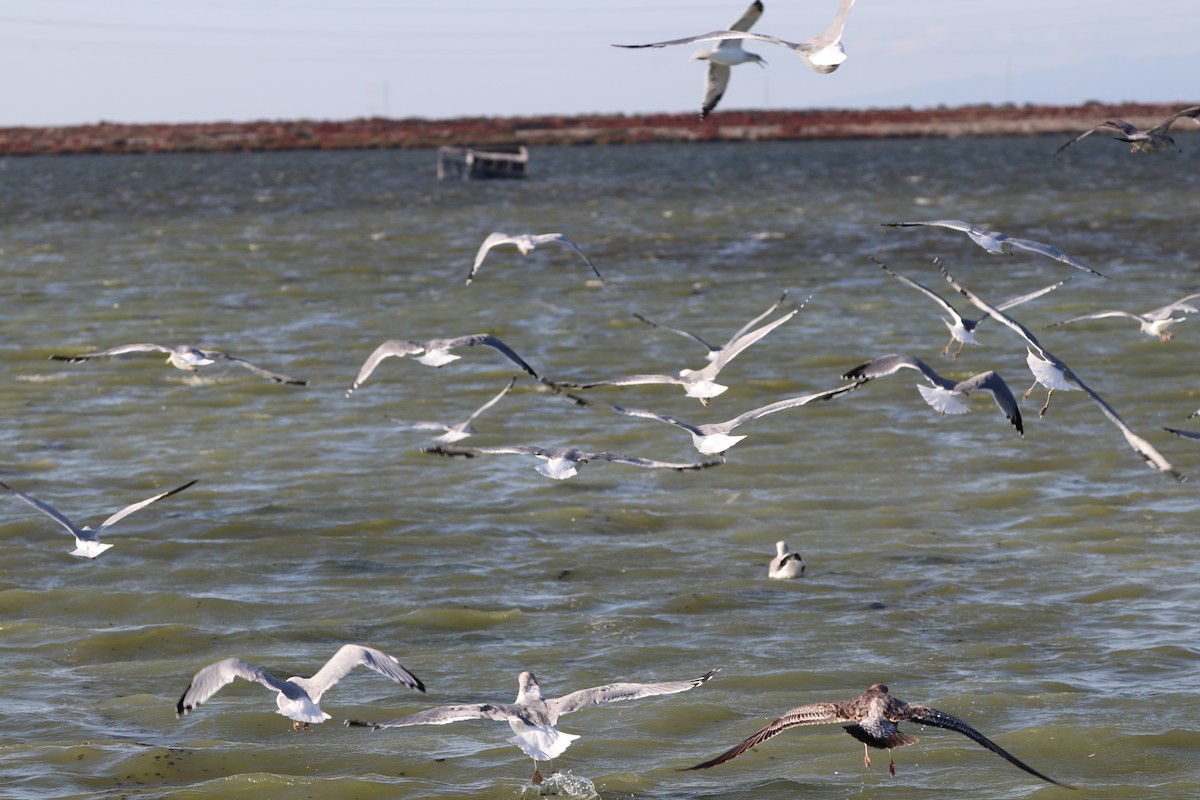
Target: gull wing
932 295
731 350
492 402
1025 298
116 351
825 49
53 513
125 512
750 16
778 405
392 347
212 678
649 463
1088 133
1181 304
346 659
1051 251
443 715
1135 442
716 82
740 332
1193 112
952 224
1184 434
811 714
217 355
491 241
991 382
687 334
617 692
893 363
1096 315
931 716
647 414
487 340
543 238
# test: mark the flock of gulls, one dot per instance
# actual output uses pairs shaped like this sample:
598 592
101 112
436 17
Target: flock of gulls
873 717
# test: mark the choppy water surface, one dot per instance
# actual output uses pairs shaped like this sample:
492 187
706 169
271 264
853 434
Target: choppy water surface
1042 588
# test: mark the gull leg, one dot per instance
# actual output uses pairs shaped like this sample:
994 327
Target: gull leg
1046 407
295 725
536 778
866 756
950 344
1029 391
891 764
961 345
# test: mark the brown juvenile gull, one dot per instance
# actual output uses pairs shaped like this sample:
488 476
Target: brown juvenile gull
785 564
699 383
1152 323
713 438
525 242
999 243
457 431
564 462
533 717
962 330
297 698
1151 140
87 539
185 357
1052 372
434 353
944 395
874 716
822 53
715 350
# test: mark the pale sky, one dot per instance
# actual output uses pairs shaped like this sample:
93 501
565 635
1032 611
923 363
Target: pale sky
83 61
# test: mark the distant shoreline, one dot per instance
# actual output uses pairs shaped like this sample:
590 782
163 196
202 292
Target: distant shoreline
590 129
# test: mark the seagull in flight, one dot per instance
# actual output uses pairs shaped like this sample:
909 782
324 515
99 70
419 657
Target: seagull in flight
822 53
699 383
533 717
874 718
434 353
785 564
1151 140
713 438
943 395
1000 243
1052 372
184 357
297 698
728 53
962 330
564 462
525 242
454 432
1152 323
87 538
715 350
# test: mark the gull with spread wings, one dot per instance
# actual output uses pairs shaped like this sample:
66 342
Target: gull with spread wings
1052 372
564 462
943 395
715 350
525 242
456 431
1150 140
822 53
87 538
434 353
533 717
727 54
999 243
713 438
874 718
184 357
296 698
699 383
962 330
1152 323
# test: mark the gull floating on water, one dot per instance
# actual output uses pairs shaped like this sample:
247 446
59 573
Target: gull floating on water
185 357
699 383
525 242
1151 140
945 395
715 350
564 462
822 53
87 539
785 564
1000 243
1052 372
533 717
434 353
1152 323
454 432
297 698
874 716
962 330
713 438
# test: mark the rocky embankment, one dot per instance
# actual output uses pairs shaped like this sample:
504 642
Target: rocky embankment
378 133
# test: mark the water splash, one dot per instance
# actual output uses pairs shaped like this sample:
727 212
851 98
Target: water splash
561 784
